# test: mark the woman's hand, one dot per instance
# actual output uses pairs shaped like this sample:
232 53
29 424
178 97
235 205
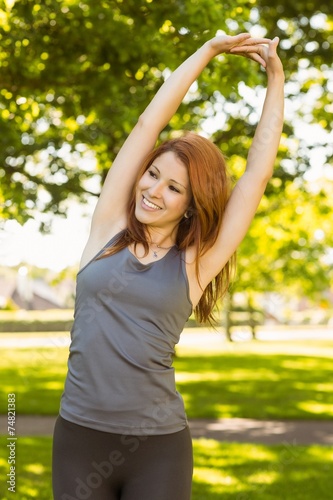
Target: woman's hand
243 42
265 54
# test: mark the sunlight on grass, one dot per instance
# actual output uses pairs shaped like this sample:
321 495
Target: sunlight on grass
36 376
259 373
28 356
187 377
248 384
246 380
236 471
310 347
240 374
33 469
315 386
30 492
53 385
316 408
259 454
317 452
304 362
233 468
263 477
37 469
249 471
226 410
213 477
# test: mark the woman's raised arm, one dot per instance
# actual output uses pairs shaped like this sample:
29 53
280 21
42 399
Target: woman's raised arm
110 211
246 195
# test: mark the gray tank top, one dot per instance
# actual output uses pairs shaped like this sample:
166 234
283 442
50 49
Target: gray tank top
128 318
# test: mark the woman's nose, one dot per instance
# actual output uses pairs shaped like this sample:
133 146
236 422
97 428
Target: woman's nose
155 190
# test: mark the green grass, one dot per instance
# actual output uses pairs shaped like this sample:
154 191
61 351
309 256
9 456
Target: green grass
231 471
250 472
254 385
33 469
254 380
36 376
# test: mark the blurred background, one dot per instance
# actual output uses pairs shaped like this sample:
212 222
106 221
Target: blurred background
74 77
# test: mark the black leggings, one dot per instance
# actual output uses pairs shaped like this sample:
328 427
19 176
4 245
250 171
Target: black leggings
95 465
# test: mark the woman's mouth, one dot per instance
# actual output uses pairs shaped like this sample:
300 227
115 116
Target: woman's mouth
149 204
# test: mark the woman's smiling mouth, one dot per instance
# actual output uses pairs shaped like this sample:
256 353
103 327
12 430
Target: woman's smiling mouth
149 204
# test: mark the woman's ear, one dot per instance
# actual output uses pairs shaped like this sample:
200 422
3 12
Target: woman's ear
189 212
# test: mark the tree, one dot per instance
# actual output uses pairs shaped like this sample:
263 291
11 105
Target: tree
75 75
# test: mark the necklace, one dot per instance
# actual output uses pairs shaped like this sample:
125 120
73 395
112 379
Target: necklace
155 252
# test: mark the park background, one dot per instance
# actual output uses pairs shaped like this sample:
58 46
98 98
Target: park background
75 76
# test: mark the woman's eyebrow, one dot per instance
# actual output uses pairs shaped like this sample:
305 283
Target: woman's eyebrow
176 182
171 180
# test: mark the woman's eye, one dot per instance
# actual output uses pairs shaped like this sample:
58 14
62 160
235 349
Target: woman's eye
152 174
173 188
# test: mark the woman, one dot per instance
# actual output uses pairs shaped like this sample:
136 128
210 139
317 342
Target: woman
162 238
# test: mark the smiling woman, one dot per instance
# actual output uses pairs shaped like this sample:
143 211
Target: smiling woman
165 191
181 192
162 241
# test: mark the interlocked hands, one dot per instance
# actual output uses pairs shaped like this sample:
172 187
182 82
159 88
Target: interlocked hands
261 50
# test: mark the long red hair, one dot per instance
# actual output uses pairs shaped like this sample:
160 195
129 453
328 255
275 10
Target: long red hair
211 188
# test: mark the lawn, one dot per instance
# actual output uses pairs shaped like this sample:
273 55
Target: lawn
230 471
252 379
248 379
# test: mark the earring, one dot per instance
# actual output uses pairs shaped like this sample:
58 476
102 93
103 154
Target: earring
186 215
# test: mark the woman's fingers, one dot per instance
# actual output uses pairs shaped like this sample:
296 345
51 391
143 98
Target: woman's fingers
247 48
242 36
274 64
272 46
255 52
254 56
264 54
259 49
255 41
240 44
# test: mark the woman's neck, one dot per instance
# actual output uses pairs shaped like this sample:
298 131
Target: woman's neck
161 239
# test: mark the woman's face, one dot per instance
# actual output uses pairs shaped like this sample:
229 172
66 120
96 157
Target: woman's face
163 193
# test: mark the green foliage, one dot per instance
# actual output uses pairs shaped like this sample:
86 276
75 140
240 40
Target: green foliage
79 73
287 247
